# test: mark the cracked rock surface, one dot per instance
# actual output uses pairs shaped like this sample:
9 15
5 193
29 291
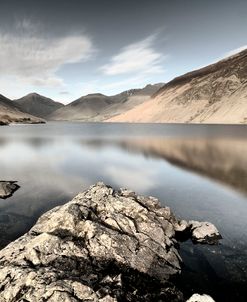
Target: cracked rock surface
104 246
7 188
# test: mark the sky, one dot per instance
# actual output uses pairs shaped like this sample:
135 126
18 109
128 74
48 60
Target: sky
67 49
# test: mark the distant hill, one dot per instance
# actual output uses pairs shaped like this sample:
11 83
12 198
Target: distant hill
85 108
213 94
38 105
10 113
98 107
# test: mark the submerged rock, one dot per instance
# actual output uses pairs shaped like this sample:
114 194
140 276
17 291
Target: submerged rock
200 298
104 245
7 188
204 232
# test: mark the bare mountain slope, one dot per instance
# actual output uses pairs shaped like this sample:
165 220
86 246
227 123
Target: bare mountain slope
85 108
10 113
98 107
213 94
38 105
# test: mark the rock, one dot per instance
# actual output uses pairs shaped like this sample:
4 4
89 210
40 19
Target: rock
204 232
200 298
181 226
199 232
7 188
103 246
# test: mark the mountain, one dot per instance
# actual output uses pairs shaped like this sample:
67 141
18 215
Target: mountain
85 108
10 113
98 107
38 105
213 94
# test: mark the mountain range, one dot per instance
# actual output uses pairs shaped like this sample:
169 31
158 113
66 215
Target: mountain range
92 107
213 94
98 107
10 112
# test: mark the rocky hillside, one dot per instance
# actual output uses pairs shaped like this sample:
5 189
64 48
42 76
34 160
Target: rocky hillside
213 94
98 107
10 113
38 105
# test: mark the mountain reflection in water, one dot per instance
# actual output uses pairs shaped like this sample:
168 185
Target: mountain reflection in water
53 162
223 160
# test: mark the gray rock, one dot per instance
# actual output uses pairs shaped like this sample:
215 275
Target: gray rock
204 232
200 298
7 188
103 246
181 226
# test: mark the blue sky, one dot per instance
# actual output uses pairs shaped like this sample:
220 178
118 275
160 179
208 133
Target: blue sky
66 49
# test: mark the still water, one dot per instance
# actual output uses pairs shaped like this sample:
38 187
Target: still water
200 171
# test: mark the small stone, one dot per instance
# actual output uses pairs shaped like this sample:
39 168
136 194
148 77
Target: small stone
181 226
126 192
7 188
200 298
204 232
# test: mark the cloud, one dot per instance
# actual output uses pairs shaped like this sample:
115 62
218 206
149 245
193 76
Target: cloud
140 57
111 87
32 57
235 51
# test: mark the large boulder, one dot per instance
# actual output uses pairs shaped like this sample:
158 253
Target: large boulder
104 245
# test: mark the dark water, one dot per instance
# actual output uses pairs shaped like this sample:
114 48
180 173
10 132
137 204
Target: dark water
55 161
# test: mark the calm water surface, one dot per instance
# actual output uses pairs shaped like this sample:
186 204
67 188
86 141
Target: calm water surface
53 162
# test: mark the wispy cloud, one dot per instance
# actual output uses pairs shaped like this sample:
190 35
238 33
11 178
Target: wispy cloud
139 57
32 57
235 51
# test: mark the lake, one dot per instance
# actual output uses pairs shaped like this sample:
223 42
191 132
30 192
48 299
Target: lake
200 171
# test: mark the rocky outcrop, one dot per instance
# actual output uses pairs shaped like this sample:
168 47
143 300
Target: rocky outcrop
104 245
7 188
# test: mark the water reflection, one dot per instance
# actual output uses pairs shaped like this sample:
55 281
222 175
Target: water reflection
221 159
52 164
